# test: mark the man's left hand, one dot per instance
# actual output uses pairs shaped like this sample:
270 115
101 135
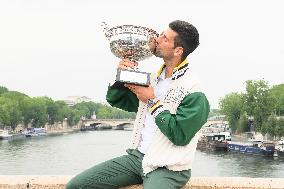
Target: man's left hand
142 93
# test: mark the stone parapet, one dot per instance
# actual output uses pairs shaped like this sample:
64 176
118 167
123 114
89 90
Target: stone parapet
59 182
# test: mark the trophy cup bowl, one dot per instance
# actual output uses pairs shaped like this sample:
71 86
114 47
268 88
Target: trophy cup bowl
135 43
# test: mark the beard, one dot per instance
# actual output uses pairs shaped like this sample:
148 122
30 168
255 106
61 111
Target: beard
157 53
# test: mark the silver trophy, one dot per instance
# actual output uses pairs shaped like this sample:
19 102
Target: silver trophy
135 43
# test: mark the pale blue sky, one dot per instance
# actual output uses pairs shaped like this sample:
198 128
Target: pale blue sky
56 48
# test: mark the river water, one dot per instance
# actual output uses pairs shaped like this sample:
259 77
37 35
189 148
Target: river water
72 153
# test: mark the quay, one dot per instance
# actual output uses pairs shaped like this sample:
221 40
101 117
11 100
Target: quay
59 182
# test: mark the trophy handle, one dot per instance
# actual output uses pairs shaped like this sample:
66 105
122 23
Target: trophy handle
105 29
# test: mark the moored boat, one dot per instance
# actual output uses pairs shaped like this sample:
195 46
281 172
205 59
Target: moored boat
32 132
214 141
280 148
256 147
4 134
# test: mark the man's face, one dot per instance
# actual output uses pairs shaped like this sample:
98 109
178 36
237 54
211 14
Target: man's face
165 44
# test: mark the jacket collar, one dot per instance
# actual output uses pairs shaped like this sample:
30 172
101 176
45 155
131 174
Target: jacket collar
178 71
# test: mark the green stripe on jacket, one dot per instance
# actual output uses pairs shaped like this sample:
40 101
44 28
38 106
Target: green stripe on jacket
191 115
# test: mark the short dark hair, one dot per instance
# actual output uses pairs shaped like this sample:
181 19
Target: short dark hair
187 38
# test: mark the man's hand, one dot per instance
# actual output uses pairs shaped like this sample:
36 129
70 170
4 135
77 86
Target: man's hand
142 93
124 64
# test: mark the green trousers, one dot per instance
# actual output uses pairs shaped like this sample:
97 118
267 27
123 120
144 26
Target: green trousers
127 170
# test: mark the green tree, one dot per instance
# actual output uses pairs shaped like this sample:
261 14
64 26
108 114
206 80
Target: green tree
214 112
27 110
40 112
71 114
11 107
84 109
269 126
93 107
3 113
16 107
277 95
242 125
51 109
15 95
3 90
10 112
280 127
74 117
232 106
35 111
104 112
258 102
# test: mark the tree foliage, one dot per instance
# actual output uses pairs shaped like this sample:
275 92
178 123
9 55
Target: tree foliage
277 95
242 124
16 107
214 112
3 90
10 113
232 106
260 102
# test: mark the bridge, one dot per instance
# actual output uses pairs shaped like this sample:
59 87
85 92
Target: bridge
117 124
121 124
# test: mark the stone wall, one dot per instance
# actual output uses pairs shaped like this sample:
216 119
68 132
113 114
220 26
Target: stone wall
56 127
59 181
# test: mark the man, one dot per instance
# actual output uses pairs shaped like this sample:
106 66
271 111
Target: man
170 113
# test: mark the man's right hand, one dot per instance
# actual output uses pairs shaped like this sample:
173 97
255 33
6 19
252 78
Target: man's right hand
124 64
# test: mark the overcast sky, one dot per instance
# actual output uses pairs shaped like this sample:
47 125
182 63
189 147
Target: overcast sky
56 48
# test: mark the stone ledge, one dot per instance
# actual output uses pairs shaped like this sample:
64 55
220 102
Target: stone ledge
59 181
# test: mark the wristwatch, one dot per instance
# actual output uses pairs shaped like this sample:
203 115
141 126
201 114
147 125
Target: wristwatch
151 102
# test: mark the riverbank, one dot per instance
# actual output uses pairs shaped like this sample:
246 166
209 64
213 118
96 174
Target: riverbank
53 132
59 182
62 131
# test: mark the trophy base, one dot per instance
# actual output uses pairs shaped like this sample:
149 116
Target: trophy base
133 77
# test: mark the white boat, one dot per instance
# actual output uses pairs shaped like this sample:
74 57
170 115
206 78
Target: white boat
4 135
32 132
280 148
